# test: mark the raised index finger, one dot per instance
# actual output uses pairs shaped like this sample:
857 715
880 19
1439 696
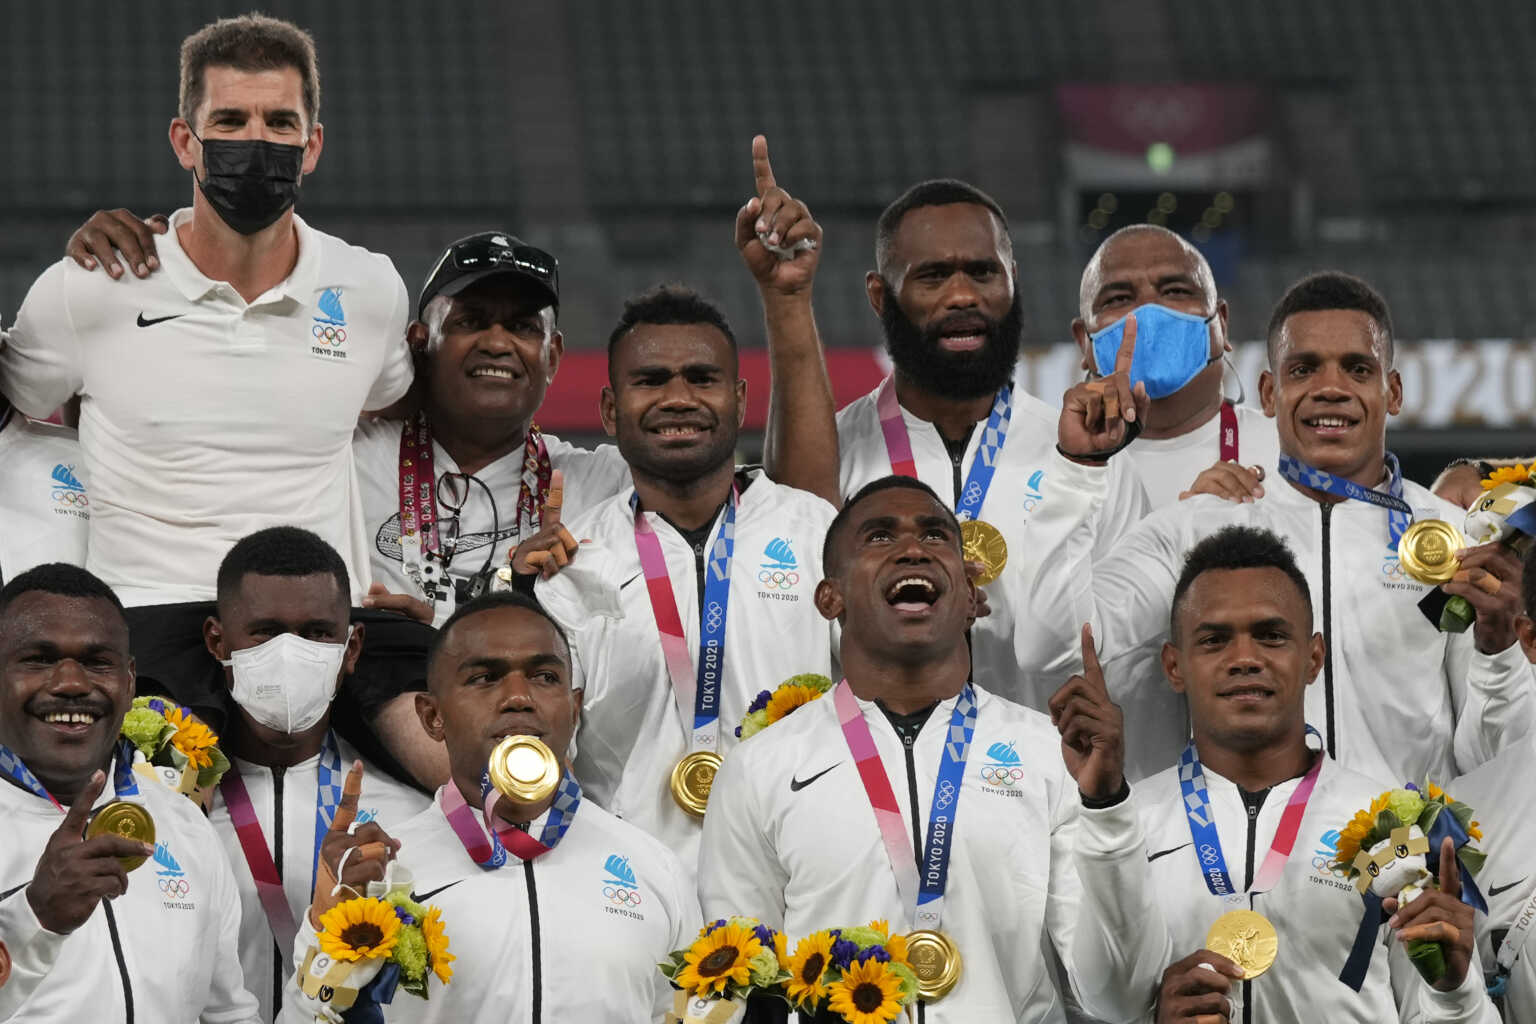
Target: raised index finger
552 503
762 170
1091 669
351 789
74 821
1127 351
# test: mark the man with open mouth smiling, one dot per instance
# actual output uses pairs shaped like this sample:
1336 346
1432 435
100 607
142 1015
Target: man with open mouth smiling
93 938
1234 825
1398 699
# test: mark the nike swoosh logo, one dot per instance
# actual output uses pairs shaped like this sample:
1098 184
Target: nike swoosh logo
157 320
1494 890
423 897
1163 853
631 580
796 785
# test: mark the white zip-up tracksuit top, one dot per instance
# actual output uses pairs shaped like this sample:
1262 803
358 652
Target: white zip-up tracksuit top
1034 490
632 732
1397 699
574 935
791 838
1499 794
165 951
284 802
1145 905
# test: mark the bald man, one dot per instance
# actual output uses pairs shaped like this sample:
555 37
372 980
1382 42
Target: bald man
1180 337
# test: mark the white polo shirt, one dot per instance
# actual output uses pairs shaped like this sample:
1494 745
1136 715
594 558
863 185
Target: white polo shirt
206 418
1168 466
591 475
45 504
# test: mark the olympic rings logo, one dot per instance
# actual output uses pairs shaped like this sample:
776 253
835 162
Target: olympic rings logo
177 887
774 579
714 615
328 334
1208 855
1031 503
1002 775
1392 569
1323 864
946 794
973 492
621 897
76 498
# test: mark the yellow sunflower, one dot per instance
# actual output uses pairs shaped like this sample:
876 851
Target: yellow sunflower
867 993
719 959
1353 835
192 737
807 970
789 697
359 929
1515 474
437 944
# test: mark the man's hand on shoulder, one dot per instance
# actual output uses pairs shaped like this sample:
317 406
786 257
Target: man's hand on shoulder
112 233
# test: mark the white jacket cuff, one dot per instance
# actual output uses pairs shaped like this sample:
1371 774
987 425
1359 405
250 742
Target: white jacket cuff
34 949
1467 1002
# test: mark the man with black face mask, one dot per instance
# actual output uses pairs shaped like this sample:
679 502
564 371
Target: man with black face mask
951 416
220 394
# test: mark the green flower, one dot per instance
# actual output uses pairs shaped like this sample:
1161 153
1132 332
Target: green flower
765 967
411 954
864 937
753 724
908 981
146 730
1406 804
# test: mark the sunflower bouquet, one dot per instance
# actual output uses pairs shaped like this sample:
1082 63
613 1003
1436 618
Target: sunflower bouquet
173 747
1505 513
770 706
368 946
732 960
853 975
1391 848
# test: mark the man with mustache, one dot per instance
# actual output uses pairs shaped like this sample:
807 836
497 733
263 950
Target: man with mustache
107 927
1181 335
1398 699
951 415
555 911
691 592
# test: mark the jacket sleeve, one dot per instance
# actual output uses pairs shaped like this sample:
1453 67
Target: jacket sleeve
1121 944
686 921
40 360
1419 1003
299 1008
228 1001
34 951
739 871
1494 696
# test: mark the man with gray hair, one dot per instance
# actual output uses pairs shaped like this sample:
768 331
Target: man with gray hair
1148 283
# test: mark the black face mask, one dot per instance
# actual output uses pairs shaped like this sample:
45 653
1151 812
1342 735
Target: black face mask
250 182
958 375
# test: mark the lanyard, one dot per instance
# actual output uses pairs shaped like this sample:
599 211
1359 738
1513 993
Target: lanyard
420 537
699 688
923 890
1228 436
1399 513
1514 941
1202 828
253 843
13 768
978 481
488 846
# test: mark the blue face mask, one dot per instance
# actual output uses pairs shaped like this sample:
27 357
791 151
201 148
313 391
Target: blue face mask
1171 348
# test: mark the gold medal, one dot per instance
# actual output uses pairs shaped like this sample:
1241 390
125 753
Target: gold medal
981 542
120 818
524 770
1427 550
1246 938
692 779
935 959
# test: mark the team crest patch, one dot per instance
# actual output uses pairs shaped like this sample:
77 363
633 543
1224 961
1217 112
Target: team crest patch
68 492
1002 770
621 889
174 885
779 572
328 333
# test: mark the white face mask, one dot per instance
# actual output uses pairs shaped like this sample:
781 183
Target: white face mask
287 682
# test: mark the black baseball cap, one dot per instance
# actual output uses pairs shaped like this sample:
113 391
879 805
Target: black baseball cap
484 255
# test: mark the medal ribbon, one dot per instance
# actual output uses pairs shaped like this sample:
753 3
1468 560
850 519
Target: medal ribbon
253 842
1399 513
123 782
1228 436
1514 941
487 846
697 688
1202 827
978 481
922 891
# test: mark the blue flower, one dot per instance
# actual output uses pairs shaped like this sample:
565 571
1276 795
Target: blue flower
876 953
157 705
759 702
713 925
764 935
843 953
404 915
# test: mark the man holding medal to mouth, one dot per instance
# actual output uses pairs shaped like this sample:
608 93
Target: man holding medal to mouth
116 901
1397 698
1184 913
882 800
556 910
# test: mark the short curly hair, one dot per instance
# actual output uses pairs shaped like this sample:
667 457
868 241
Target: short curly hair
250 42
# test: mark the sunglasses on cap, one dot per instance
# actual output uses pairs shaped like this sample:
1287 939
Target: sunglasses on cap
483 255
